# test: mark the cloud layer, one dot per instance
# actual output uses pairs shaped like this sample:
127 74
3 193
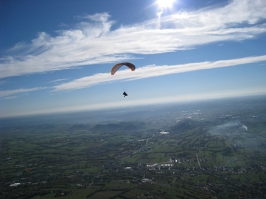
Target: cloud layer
139 73
153 71
93 41
12 93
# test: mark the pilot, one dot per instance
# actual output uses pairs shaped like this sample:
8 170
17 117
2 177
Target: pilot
125 94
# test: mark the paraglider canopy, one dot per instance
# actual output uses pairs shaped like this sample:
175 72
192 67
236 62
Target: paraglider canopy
117 66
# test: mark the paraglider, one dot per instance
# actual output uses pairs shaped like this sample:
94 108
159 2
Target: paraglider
117 66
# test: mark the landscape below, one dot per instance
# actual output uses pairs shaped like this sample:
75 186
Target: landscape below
213 149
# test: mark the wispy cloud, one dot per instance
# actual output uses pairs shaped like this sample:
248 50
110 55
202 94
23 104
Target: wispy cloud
153 71
57 81
10 94
93 41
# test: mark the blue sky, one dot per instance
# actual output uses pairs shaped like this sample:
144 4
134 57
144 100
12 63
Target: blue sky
56 56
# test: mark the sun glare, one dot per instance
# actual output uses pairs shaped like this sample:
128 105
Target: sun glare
165 3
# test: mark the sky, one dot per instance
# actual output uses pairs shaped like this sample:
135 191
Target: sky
56 55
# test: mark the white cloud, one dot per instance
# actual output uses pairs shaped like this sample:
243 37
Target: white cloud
57 81
94 42
153 71
10 94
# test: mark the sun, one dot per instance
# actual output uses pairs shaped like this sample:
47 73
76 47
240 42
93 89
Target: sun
165 3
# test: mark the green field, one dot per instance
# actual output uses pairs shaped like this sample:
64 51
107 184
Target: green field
197 159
